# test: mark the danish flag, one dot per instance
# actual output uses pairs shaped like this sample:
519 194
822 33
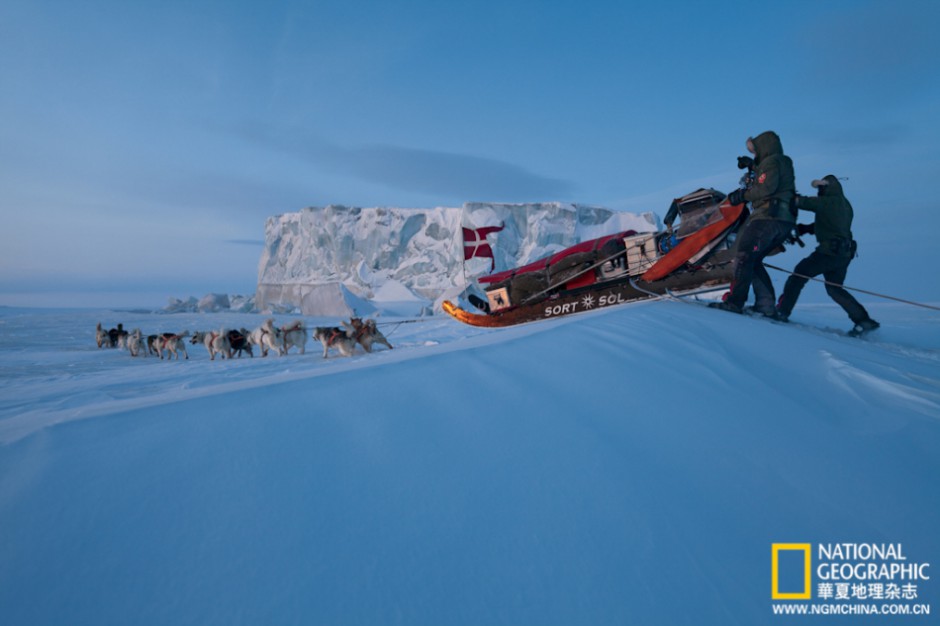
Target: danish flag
475 244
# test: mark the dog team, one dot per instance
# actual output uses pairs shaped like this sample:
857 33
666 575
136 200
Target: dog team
229 343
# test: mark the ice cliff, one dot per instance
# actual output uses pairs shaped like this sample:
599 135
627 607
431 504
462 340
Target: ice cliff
337 259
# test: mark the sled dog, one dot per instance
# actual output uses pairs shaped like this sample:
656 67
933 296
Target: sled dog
238 339
152 342
134 343
343 340
216 342
172 345
111 338
267 337
366 333
101 337
295 335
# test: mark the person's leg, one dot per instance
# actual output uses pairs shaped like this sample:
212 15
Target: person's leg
835 277
809 267
764 295
753 246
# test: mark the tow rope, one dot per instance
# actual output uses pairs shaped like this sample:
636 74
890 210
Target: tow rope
870 293
399 323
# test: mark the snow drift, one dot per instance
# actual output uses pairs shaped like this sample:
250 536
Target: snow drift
632 465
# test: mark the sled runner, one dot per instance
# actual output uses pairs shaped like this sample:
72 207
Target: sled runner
618 268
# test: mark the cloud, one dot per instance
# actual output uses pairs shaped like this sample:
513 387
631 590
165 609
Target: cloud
180 191
430 172
470 177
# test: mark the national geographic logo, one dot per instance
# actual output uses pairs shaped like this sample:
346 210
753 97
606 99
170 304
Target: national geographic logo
845 572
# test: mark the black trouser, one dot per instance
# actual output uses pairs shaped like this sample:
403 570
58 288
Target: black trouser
760 238
833 269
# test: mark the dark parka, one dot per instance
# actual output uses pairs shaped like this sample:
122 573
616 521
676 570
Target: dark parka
774 189
833 227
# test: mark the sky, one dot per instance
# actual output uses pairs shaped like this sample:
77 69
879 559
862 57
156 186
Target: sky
143 144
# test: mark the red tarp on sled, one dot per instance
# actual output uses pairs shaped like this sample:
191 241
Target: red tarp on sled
545 263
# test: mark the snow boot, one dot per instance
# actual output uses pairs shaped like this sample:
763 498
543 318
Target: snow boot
754 310
864 327
725 306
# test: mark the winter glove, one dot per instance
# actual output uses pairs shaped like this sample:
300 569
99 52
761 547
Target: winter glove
745 162
806 229
736 197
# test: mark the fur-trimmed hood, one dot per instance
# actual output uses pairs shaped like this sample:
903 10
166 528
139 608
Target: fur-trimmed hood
829 186
771 193
766 144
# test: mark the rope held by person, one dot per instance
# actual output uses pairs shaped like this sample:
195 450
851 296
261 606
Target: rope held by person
871 293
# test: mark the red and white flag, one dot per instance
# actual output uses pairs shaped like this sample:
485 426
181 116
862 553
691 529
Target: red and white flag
475 244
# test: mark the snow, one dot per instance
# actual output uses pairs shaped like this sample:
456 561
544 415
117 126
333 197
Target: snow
631 465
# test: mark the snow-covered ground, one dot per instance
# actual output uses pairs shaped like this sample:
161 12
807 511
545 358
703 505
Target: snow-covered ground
629 466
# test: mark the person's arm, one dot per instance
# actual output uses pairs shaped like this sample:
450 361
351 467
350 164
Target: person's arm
766 183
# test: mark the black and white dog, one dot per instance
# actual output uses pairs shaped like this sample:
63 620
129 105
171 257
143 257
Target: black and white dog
342 340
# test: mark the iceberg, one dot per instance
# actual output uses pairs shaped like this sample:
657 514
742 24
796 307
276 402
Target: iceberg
336 260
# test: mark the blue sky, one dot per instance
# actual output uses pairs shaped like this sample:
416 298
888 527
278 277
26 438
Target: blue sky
143 144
